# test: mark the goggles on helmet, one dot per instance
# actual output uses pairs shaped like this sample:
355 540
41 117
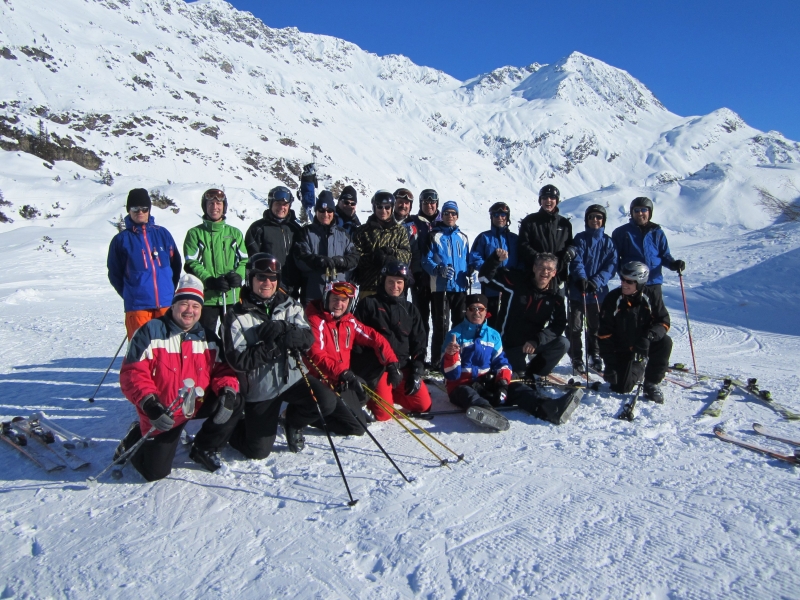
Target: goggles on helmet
214 194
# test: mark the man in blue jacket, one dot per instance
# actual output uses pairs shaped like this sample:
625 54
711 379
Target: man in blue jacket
486 244
144 264
594 265
644 241
447 264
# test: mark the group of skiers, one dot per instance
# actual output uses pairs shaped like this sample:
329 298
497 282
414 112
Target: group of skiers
318 316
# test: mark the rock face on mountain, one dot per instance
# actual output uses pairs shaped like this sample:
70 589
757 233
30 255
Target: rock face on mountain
201 91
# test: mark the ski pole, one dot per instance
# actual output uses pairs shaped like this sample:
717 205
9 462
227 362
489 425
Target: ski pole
366 429
688 327
586 338
325 427
91 399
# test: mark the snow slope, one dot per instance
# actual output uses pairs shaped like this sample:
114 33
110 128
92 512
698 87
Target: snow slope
595 508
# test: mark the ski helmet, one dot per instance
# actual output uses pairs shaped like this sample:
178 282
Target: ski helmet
635 271
382 197
549 191
281 193
394 268
214 194
404 194
595 209
262 262
642 201
341 288
428 194
500 207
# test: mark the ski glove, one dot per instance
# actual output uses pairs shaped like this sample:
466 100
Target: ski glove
393 375
349 380
324 263
446 272
582 284
269 330
157 413
591 287
413 384
227 404
218 284
297 338
678 265
570 253
642 347
234 279
500 391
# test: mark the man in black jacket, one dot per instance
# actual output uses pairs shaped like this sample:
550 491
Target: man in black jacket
633 330
275 233
546 231
323 250
396 319
534 324
346 216
423 223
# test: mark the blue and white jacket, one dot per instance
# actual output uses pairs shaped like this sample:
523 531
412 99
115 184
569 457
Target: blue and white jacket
448 246
481 352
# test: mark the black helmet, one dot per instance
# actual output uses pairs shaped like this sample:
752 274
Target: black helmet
262 262
642 201
383 197
214 194
595 208
394 268
550 191
428 194
635 271
281 193
500 207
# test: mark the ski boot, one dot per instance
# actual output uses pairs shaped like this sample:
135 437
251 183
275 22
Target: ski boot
578 366
653 392
209 459
294 438
133 435
596 363
555 410
487 417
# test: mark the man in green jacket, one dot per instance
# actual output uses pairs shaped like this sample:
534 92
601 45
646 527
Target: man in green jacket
215 253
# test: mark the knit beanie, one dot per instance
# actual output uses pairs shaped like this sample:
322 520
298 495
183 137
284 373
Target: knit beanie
189 288
138 197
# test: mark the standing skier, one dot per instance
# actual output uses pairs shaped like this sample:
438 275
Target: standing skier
644 241
633 329
546 231
423 223
485 245
307 191
162 354
323 250
448 268
215 253
378 240
346 216
144 264
594 265
404 201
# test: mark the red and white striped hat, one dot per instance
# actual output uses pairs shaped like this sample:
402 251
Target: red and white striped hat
189 288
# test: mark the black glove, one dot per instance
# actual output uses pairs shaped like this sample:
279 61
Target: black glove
591 287
269 330
339 262
234 279
296 338
218 284
353 382
393 374
678 265
500 391
324 263
157 413
227 404
581 283
570 253
642 347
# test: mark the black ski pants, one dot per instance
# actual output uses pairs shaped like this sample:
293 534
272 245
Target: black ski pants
211 317
575 327
448 311
657 364
154 458
421 298
544 359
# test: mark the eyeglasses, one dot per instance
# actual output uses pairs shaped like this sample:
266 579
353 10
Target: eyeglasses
595 217
262 277
140 209
545 269
449 213
347 202
641 210
214 194
476 308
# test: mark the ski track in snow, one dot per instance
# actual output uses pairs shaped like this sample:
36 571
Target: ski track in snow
596 508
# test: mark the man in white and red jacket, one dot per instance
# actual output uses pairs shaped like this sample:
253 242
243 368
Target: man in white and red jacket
336 331
162 354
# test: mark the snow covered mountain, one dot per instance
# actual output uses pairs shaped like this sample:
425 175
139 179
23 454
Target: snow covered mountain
182 96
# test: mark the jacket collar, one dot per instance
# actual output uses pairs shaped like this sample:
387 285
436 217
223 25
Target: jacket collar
209 225
135 227
378 224
499 230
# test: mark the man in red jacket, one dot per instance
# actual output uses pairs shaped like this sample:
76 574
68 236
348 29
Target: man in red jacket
163 353
336 331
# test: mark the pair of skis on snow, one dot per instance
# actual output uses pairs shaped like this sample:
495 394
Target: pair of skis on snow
767 433
51 447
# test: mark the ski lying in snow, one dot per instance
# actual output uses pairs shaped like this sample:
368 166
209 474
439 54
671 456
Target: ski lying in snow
715 408
34 430
72 440
428 416
774 435
679 382
789 458
19 440
439 383
488 418
751 387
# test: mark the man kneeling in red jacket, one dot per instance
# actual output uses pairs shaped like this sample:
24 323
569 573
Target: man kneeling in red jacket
161 356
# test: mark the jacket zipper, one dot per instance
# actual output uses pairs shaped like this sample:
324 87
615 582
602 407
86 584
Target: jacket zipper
155 275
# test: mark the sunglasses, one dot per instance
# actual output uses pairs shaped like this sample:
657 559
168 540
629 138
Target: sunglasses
548 198
140 209
630 281
500 214
476 308
347 202
449 213
641 210
262 277
595 217
327 211
384 207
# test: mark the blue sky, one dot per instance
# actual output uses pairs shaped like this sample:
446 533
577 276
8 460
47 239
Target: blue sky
695 56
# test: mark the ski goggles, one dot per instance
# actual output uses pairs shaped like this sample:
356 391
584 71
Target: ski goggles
404 194
343 288
214 194
266 265
430 197
281 196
